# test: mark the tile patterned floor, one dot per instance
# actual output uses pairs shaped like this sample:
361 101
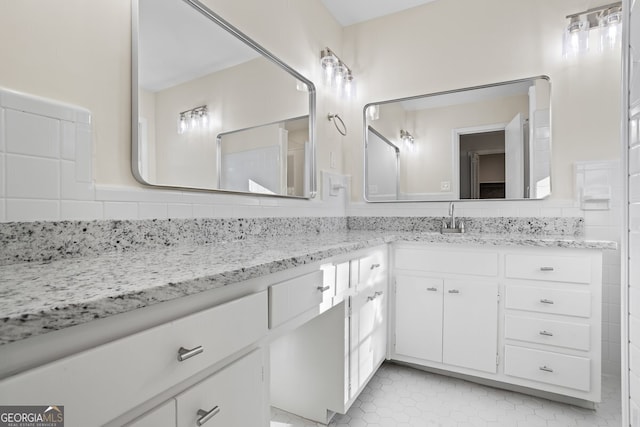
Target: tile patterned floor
399 396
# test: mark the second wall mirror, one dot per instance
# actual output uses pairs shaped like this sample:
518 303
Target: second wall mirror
485 142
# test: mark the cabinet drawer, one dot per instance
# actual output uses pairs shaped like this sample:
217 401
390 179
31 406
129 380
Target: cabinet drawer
441 261
549 332
573 269
162 416
131 370
372 270
293 297
549 300
232 397
547 367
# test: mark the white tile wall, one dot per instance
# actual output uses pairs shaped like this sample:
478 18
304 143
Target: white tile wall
46 173
31 134
32 177
632 112
120 210
32 210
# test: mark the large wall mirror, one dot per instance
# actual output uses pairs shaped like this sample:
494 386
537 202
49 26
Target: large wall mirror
485 142
213 110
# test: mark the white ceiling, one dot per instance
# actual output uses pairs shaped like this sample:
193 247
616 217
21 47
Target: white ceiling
349 12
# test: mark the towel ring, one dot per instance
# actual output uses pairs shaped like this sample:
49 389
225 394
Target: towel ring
342 128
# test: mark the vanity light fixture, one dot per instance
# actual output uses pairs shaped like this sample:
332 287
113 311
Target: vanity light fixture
607 19
193 120
337 74
408 141
373 112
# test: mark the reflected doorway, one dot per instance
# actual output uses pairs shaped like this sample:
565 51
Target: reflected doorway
482 170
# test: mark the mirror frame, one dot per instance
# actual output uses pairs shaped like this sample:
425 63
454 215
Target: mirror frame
216 19
454 161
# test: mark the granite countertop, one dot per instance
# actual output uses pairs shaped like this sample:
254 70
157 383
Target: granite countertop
39 297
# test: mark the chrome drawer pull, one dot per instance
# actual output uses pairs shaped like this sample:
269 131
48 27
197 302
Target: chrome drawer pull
372 297
546 269
544 368
432 289
185 353
546 301
206 416
378 293
454 291
324 288
374 266
546 334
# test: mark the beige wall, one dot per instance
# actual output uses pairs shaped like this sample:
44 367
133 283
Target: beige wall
78 51
449 44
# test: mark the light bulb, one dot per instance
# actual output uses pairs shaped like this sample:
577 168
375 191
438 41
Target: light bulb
182 124
204 119
576 38
329 62
349 90
610 33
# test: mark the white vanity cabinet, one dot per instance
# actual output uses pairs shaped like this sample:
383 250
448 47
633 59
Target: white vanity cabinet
552 321
446 314
321 367
100 384
231 397
526 317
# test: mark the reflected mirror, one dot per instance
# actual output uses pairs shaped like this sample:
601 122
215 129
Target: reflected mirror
214 110
485 142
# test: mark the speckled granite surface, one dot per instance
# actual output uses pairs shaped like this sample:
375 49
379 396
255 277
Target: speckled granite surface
49 241
38 297
539 226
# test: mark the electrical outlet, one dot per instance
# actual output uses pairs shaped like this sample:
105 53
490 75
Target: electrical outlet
445 186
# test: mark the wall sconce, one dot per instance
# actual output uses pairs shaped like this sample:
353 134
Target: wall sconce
373 112
193 120
408 141
607 19
336 74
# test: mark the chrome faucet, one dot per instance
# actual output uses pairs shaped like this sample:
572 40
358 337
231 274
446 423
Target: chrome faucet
452 216
452 226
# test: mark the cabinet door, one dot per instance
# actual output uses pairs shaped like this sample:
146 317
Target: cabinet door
470 324
369 337
232 397
419 317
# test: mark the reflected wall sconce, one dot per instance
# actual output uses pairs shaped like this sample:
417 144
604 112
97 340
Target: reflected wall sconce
606 19
408 141
193 120
336 74
373 112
